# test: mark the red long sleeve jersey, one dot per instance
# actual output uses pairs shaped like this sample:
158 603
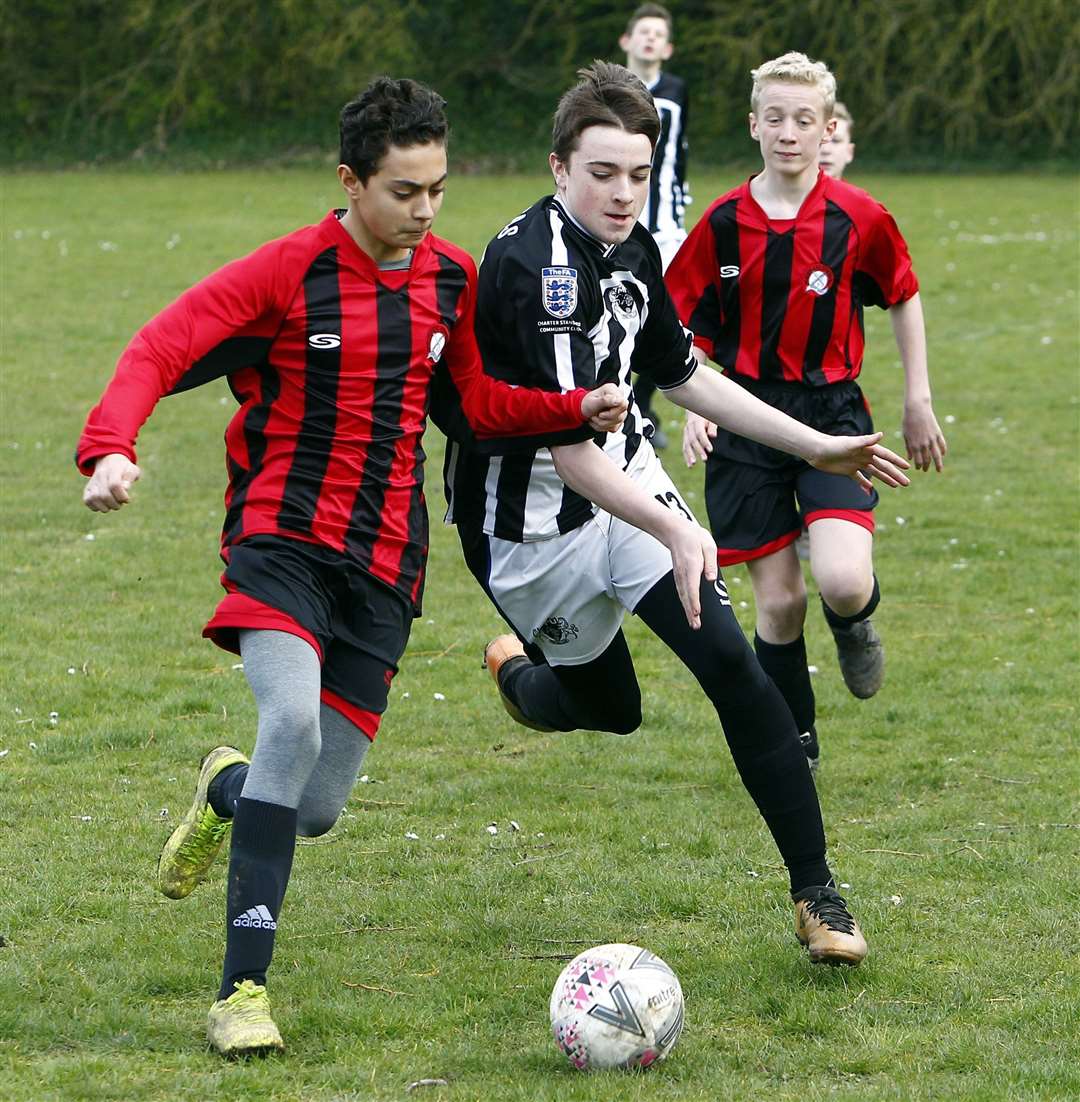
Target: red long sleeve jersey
783 300
335 364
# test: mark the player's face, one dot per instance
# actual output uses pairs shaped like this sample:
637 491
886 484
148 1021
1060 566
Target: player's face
790 125
648 41
838 151
605 182
392 213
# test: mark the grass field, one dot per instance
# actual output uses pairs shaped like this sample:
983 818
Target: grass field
952 800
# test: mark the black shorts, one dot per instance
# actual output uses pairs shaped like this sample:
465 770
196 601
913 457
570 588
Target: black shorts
358 626
759 499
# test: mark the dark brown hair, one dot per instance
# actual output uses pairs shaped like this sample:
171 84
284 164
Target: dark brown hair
606 95
650 11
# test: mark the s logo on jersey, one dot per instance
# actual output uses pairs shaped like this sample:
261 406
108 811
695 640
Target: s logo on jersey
820 279
558 291
324 340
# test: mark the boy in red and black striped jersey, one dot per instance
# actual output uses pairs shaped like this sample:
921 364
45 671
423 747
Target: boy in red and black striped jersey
336 340
773 281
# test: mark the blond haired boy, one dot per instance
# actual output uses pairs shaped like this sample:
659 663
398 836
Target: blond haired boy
773 282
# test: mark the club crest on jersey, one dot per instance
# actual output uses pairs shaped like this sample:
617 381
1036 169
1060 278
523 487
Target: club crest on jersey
558 291
557 630
438 343
622 303
820 279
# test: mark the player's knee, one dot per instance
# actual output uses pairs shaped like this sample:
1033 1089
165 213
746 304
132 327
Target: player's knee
296 724
783 607
622 715
846 591
315 822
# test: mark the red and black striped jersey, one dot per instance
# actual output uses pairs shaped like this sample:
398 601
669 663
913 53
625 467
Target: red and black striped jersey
783 300
335 364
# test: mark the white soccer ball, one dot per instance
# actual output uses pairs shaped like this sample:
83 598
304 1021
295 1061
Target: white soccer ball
616 1006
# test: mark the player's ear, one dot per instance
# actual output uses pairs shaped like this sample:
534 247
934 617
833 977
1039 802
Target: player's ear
558 170
753 125
624 43
666 51
830 128
349 180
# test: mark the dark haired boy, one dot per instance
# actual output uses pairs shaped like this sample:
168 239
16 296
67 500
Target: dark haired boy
570 293
335 340
648 43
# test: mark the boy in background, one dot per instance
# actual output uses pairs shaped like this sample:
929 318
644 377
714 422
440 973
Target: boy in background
647 42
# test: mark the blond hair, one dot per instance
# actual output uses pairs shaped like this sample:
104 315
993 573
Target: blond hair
795 68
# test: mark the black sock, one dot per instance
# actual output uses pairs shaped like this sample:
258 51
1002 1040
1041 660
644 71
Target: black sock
785 663
225 790
842 623
260 859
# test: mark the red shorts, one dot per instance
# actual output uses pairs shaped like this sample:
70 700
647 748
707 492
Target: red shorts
358 626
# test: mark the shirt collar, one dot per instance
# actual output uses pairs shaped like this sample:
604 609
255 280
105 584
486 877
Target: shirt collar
564 213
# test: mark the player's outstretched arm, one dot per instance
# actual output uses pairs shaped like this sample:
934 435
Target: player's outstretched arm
604 408
923 437
715 397
107 488
588 471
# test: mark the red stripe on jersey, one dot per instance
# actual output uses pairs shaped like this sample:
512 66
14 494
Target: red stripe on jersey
801 300
751 266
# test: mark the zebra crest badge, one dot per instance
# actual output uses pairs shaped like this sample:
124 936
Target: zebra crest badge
558 291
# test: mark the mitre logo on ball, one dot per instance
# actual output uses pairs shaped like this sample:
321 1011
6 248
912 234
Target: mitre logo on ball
616 1006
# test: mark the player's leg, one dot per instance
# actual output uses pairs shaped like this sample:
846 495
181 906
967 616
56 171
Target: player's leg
750 497
768 755
371 629
841 560
841 521
779 642
599 695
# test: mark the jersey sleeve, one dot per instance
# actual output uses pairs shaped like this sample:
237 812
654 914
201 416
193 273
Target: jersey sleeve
693 281
491 414
226 321
883 274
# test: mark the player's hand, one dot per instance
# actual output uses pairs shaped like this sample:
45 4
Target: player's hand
693 553
923 437
604 408
697 437
861 458
108 487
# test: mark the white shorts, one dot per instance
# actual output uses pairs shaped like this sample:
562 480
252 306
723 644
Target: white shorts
568 594
668 243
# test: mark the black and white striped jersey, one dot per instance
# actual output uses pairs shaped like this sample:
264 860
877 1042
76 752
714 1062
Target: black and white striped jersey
669 195
558 309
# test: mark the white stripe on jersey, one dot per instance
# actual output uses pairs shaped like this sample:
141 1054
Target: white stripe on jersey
668 214
564 364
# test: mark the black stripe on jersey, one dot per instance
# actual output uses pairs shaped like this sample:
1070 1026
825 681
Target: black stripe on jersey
322 374
716 315
231 355
834 250
392 360
510 495
658 163
255 440
776 285
575 510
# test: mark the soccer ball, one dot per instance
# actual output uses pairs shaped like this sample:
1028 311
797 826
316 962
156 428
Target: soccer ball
616 1006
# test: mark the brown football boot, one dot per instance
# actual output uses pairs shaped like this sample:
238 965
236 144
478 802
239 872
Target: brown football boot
827 928
501 655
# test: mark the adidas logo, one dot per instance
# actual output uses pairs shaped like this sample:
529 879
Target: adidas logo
256 918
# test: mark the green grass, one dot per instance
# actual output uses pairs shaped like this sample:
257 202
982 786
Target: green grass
951 799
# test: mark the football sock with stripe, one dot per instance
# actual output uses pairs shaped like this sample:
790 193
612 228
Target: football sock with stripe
260 860
786 664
